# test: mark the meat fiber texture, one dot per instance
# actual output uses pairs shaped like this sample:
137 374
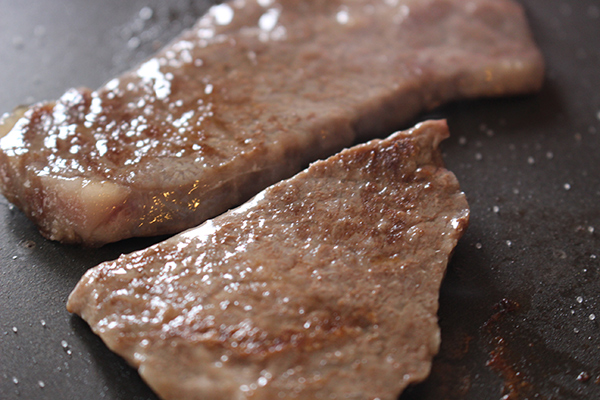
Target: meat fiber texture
324 286
251 95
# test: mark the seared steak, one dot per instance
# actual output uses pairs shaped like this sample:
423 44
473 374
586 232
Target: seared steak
323 286
249 96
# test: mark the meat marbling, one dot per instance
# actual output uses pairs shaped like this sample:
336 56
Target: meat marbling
323 286
249 96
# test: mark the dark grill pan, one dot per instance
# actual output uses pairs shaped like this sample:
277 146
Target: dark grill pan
520 305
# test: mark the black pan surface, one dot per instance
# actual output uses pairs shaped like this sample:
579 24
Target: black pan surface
520 305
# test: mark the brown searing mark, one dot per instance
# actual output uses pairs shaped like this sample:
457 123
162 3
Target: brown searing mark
515 384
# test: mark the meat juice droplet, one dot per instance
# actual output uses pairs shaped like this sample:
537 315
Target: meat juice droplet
134 43
146 13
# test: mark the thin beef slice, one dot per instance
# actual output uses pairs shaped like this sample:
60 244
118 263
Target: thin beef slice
323 286
249 96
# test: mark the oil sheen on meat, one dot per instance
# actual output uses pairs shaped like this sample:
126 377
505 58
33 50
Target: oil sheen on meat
249 96
324 286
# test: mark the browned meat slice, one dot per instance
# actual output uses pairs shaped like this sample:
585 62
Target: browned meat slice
323 286
250 96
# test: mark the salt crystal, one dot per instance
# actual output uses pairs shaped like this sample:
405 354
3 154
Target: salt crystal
41 384
478 246
592 317
579 299
567 186
530 160
496 209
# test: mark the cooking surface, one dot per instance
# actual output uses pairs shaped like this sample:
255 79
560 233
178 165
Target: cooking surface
518 306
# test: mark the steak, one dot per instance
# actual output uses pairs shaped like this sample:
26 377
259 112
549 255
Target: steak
323 286
249 96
